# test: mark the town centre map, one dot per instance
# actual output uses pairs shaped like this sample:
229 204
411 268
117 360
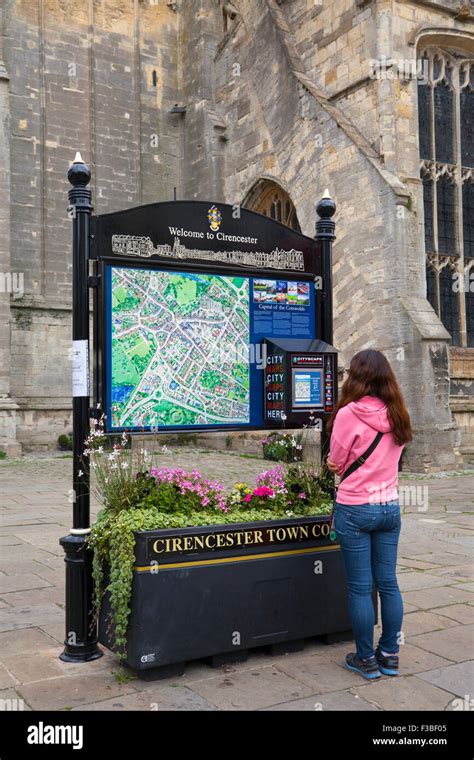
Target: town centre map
179 349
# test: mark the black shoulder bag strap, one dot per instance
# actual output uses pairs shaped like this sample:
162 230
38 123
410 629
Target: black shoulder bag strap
352 468
363 457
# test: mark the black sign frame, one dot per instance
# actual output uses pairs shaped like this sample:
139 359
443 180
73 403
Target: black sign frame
152 222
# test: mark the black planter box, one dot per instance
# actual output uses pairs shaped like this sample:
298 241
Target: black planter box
220 590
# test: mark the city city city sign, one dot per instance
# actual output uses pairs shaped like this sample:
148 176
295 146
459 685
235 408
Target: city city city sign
189 295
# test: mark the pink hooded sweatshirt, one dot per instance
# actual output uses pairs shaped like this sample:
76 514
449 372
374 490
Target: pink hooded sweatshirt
354 429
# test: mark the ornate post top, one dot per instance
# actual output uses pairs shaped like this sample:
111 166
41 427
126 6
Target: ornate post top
79 173
325 209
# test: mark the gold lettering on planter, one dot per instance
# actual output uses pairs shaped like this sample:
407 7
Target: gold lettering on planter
320 529
233 539
199 542
157 546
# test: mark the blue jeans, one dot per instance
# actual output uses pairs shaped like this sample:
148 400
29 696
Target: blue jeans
368 535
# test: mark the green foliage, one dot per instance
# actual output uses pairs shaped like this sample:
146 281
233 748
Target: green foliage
123 676
3 454
65 442
186 439
283 447
315 486
325 480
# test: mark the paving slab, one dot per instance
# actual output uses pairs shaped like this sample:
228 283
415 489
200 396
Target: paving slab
442 596
455 644
408 693
53 577
423 622
338 700
464 520
446 558
250 690
414 659
318 674
30 667
154 700
410 548
6 677
10 540
26 640
465 586
22 566
417 564
22 582
17 552
55 631
457 679
408 606
47 595
462 613
72 691
453 573
29 615
419 579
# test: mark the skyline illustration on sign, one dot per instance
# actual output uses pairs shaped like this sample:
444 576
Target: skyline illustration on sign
140 245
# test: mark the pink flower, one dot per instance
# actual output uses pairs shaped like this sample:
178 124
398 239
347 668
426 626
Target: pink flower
275 479
302 495
248 497
263 491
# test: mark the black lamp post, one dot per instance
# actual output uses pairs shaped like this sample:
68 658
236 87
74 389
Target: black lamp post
80 644
325 234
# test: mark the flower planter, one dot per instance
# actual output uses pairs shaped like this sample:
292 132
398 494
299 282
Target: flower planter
217 591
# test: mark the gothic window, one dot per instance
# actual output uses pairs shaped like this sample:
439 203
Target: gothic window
270 199
446 144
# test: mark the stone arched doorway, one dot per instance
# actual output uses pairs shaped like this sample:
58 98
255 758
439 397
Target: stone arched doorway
270 199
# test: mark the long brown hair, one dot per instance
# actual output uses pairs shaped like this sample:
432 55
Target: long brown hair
370 374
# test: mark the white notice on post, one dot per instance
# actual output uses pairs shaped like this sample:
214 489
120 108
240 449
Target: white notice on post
80 368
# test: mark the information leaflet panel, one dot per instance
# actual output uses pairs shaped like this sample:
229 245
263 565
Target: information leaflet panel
300 381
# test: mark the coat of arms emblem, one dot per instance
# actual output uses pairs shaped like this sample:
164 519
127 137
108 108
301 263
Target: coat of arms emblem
215 218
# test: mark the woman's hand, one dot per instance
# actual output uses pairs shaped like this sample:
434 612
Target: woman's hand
331 466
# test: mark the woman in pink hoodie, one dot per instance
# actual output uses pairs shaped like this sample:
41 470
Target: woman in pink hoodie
370 413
